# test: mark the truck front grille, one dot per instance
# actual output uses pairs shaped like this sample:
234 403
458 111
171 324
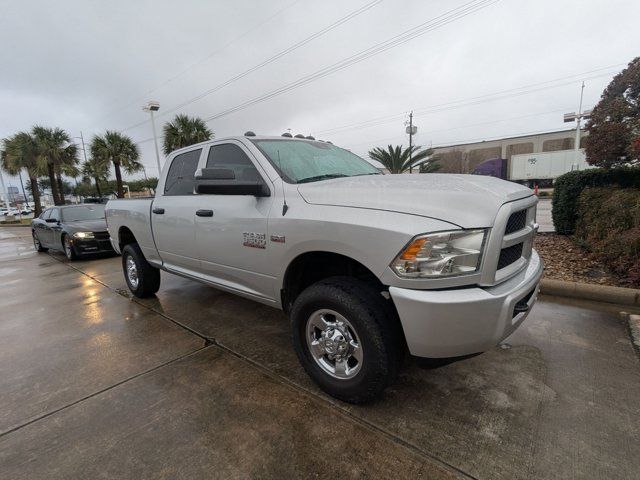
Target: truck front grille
509 255
517 221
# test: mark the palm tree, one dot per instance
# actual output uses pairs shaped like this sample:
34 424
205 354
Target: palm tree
430 167
118 149
98 170
21 152
183 131
56 153
397 160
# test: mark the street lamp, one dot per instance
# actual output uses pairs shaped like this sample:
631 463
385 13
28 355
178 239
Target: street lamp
577 117
151 107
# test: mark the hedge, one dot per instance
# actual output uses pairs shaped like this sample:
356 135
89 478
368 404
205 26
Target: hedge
608 223
568 187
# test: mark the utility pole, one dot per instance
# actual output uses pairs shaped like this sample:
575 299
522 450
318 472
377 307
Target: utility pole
577 117
411 130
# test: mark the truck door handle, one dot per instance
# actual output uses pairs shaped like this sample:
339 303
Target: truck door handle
158 211
204 213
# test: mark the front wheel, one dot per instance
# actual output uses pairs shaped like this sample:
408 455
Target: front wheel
69 249
346 338
36 243
143 279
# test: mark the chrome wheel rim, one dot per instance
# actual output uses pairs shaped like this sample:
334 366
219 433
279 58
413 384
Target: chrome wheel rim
67 247
334 344
132 272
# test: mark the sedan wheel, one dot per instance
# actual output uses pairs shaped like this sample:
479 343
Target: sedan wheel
69 251
36 243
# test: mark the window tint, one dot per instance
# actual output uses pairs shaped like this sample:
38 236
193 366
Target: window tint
232 157
180 176
55 213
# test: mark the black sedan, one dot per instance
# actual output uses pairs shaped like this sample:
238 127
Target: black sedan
74 229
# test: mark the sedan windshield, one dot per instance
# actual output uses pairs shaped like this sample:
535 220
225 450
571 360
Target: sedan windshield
302 161
82 212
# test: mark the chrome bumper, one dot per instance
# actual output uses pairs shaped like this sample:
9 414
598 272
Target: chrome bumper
451 323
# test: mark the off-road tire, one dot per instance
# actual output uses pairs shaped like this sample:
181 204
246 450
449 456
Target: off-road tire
376 324
148 275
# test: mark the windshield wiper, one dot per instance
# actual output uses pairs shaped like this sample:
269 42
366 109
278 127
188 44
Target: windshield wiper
326 176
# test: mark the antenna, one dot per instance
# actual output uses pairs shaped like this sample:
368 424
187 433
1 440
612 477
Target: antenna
285 207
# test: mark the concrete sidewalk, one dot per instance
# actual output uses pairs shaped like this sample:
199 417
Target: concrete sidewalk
94 384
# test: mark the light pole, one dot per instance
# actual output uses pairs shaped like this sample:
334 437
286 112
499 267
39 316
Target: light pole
577 117
154 107
84 153
4 192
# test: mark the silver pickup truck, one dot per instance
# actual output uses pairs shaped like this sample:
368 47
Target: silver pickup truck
367 266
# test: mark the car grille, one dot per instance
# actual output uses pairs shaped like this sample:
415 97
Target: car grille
517 221
509 255
101 235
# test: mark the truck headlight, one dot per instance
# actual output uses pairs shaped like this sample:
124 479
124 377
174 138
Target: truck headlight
83 235
441 254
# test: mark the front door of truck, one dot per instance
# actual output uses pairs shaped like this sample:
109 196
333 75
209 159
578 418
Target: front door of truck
172 215
233 241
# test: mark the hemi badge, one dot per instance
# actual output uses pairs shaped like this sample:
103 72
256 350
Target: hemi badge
277 238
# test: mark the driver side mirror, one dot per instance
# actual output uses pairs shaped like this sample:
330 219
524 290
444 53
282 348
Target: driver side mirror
222 181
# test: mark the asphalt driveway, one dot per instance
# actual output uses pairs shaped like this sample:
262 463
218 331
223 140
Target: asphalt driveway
198 383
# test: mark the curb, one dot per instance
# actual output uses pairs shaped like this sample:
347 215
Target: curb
633 322
13 225
588 291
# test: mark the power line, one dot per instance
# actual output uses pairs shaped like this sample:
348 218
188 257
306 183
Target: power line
419 30
266 62
491 122
430 25
198 62
510 93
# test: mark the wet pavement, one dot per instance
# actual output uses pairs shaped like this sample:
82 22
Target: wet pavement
197 382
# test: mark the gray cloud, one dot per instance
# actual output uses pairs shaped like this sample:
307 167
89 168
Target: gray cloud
89 65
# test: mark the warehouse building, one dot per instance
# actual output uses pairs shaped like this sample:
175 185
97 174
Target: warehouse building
464 158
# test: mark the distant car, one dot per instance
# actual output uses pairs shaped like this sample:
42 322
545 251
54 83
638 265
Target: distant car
76 230
3 212
26 211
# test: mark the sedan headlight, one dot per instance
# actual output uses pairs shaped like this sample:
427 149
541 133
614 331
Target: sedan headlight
83 235
441 254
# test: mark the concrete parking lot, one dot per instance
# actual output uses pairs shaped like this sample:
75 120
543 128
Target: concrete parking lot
198 383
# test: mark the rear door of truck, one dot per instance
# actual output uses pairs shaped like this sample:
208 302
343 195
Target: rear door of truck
173 214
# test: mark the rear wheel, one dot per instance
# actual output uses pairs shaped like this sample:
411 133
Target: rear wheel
346 338
143 279
69 249
36 243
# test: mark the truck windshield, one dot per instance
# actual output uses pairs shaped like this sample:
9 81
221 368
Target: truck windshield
303 161
82 212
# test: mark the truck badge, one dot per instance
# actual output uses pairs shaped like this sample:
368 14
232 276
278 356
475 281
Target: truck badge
254 240
277 238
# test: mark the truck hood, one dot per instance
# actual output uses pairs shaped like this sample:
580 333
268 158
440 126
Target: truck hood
467 201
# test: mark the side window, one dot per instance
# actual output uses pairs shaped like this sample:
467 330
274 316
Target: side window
232 157
44 215
180 175
55 213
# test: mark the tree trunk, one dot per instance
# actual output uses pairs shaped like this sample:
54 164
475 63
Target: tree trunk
60 188
54 185
98 187
118 180
35 192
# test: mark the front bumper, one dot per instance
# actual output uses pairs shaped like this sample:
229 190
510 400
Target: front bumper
451 323
89 246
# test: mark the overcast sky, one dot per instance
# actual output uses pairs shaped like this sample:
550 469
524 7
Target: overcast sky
90 65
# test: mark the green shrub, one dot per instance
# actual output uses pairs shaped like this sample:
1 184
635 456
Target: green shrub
608 223
569 186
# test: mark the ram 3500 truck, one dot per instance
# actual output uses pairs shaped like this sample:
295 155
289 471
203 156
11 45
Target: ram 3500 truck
366 265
